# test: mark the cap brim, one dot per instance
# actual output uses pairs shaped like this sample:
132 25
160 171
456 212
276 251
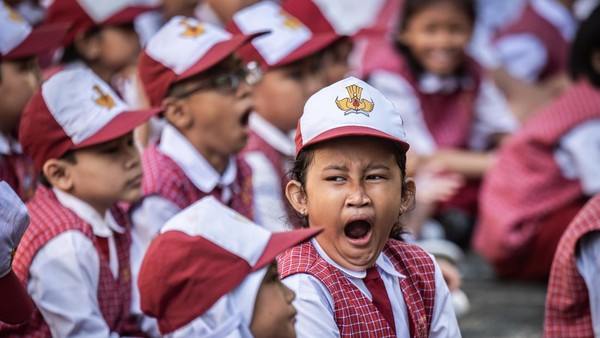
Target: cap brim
119 126
217 54
354 131
127 15
316 43
40 40
16 306
281 241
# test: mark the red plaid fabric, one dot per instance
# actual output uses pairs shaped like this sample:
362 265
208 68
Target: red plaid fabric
355 314
162 176
557 48
48 220
18 171
526 184
567 302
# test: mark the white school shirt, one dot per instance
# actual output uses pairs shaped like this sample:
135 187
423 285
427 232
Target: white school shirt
154 211
315 305
523 55
64 274
492 115
267 189
587 260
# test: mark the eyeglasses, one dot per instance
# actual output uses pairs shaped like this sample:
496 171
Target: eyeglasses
228 83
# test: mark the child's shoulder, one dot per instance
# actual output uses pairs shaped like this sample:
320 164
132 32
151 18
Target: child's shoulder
407 253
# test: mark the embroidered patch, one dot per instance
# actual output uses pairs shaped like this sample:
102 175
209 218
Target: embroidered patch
354 103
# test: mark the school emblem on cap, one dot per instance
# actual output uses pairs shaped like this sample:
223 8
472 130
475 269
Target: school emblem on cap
289 21
104 100
354 103
191 30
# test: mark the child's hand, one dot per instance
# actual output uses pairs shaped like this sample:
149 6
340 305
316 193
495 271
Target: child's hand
451 274
433 186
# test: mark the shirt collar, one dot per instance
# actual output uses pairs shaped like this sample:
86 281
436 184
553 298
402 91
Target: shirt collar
558 15
272 135
431 83
101 226
8 145
194 165
382 262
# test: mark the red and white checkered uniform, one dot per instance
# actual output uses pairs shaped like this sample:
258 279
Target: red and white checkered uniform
48 220
567 302
557 48
526 183
355 315
162 176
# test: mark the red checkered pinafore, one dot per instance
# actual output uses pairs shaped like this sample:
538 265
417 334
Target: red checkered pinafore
567 302
48 220
354 314
162 176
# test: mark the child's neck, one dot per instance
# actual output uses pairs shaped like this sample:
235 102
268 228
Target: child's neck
217 161
105 74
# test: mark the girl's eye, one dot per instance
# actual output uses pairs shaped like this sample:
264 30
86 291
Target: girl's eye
335 178
111 150
375 177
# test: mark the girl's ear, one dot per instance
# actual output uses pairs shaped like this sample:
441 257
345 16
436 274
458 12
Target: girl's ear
58 174
408 194
297 197
176 113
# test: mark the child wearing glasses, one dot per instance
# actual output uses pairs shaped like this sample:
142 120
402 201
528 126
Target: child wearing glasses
190 69
291 58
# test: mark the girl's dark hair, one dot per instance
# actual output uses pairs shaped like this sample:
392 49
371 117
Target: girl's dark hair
298 173
412 7
586 43
69 156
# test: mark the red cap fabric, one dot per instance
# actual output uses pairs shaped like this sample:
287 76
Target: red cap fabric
85 14
18 39
202 254
16 306
349 107
182 48
74 109
289 39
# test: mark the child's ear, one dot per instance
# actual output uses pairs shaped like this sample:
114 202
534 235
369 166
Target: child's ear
58 174
408 194
88 46
177 113
297 197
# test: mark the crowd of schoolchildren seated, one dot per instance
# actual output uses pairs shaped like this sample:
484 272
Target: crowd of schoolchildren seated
310 168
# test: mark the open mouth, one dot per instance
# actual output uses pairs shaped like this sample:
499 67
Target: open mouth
358 232
245 117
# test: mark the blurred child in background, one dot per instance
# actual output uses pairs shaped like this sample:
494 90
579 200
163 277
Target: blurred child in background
214 282
454 116
20 77
291 60
546 172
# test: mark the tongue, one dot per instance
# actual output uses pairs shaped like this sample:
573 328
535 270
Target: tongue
357 229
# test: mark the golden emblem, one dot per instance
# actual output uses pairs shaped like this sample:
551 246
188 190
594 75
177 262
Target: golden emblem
104 100
354 103
290 21
12 14
190 29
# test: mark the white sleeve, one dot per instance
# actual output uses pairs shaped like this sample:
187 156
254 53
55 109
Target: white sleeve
147 218
492 116
63 283
397 90
578 155
588 265
268 197
522 55
314 305
443 323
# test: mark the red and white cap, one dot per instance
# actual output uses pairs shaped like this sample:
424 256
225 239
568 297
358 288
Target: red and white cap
182 48
206 252
74 109
349 107
85 14
14 220
289 39
18 39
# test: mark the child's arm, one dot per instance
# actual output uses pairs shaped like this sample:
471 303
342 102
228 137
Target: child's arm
588 265
470 164
314 305
63 283
443 323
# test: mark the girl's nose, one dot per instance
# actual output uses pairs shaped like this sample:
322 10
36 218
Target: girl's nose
358 197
